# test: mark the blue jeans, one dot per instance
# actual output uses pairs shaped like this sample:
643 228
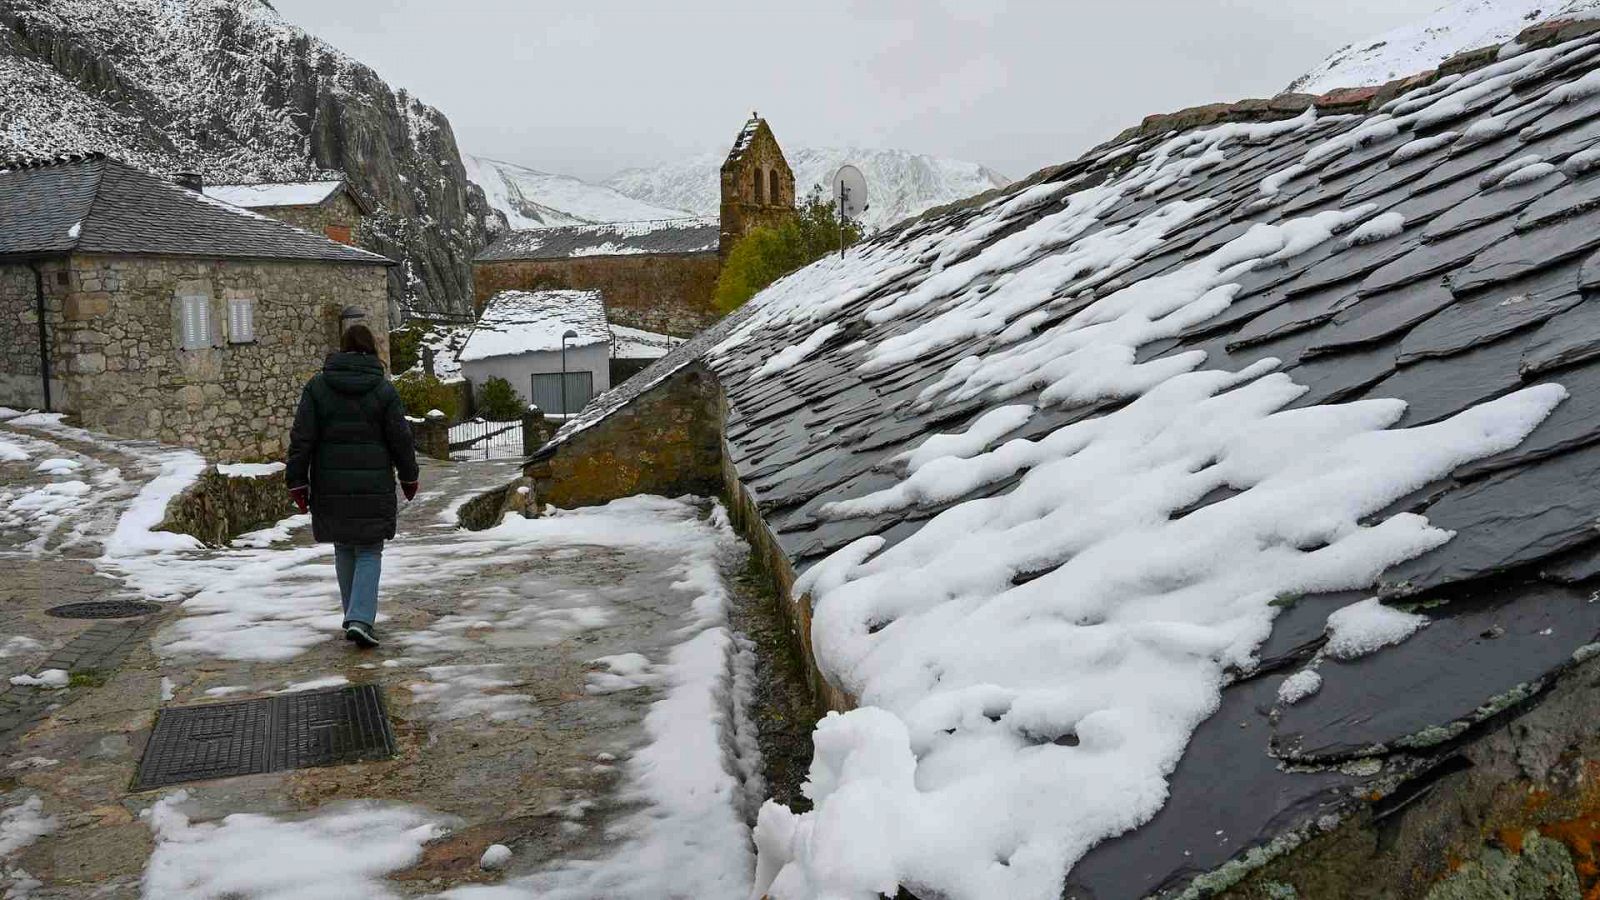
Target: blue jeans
358 566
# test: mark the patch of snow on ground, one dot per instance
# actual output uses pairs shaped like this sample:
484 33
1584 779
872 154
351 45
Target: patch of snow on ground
689 839
18 644
1367 626
278 533
52 679
313 684
249 470
58 466
135 532
22 824
339 852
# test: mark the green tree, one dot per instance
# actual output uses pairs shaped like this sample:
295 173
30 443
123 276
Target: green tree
422 393
500 402
771 252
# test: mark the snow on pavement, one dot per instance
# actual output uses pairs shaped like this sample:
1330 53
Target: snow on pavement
334 853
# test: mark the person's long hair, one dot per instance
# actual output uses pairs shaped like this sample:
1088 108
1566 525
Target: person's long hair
359 339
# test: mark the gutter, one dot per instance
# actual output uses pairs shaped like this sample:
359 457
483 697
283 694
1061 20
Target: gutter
44 340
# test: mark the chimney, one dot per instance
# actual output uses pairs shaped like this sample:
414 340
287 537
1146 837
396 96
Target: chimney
190 180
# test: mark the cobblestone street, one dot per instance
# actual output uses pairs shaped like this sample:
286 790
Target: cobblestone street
522 668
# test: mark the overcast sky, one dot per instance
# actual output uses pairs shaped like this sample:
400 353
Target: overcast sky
589 87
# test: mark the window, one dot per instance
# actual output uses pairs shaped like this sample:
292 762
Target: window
196 324
547 391
774 192
340 233
761 183
241 320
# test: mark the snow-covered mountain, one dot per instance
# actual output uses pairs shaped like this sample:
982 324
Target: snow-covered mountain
900 183
1454 27
229 89
533 199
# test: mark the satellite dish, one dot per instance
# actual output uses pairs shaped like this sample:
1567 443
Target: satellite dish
850 191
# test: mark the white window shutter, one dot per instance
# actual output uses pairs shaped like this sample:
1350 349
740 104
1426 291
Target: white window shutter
242 320
196 323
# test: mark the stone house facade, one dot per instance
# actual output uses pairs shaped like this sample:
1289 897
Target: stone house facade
166 315
328 208
657 276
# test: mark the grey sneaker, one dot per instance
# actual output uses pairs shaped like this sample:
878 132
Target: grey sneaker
361 633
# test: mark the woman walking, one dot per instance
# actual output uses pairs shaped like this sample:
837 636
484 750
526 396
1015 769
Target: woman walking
350 437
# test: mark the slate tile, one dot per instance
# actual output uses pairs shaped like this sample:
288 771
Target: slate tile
1474 648
1225 781
1377 317
1493 314
1573 197
1436 258
1436 388
1336 377
1574 423
1512 518
1295 314
1528 251
1491 204
1569 338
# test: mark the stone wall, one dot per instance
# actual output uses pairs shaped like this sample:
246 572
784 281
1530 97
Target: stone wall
667 441
743 206
21 384
115 345
339 218
217 507
669 293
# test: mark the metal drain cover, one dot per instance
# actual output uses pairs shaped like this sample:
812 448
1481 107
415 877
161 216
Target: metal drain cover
103 609
247 737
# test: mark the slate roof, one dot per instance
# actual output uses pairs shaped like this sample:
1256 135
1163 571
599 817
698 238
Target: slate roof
1469 273
274 195
517 322
92 204
688 235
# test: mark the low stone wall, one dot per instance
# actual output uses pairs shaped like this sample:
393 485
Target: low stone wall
775 566
667 441
218 508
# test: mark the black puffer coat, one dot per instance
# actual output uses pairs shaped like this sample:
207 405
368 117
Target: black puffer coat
350 437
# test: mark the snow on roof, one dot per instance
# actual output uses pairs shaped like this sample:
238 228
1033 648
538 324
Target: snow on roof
516 322
746 135
259 196
686 235
1076 478
636 343
92 204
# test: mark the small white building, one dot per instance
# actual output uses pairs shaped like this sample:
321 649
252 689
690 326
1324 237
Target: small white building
519 338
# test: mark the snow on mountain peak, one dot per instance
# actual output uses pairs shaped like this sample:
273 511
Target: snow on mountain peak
533 199
899 183
1454 27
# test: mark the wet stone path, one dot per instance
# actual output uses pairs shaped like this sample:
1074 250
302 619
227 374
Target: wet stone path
567 687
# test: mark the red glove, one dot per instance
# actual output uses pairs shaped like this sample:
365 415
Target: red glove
302 497
409 488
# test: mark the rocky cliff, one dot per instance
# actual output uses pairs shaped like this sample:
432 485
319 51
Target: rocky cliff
228 89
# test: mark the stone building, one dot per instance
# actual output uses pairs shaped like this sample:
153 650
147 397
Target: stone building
166 314
328 208
658 276
757 183
519 338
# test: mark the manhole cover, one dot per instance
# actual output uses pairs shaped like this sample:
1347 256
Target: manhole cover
294 731
102 609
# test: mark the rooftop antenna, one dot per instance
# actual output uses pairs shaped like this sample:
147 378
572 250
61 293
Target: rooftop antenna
850 195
